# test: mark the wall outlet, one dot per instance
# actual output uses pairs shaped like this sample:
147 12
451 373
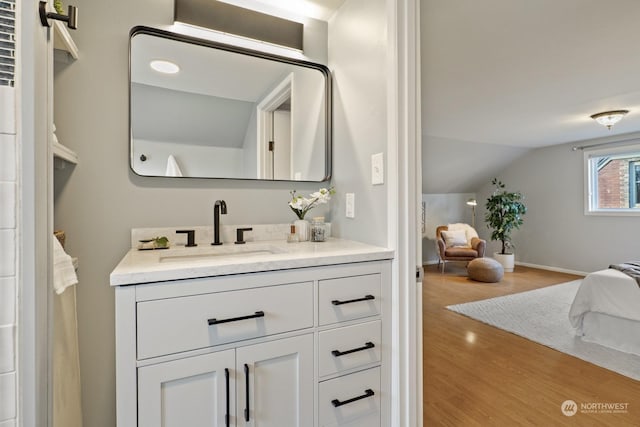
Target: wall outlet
351 205
377 169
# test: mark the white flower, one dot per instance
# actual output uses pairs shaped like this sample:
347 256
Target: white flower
301 205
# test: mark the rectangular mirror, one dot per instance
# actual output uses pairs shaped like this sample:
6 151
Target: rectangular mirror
201 109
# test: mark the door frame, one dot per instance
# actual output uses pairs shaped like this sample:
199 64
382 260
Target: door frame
264 111
404 190
34 115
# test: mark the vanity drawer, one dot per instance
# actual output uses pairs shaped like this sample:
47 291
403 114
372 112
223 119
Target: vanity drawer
348 347
348 298
188 323
352 400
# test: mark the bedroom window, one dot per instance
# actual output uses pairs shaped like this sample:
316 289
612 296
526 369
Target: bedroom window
612 181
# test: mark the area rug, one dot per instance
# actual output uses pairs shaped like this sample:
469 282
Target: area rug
542 316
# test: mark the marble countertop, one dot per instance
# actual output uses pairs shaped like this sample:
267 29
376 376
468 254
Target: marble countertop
180 262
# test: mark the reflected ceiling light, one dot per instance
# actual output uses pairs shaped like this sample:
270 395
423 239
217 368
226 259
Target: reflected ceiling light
609 118
166 67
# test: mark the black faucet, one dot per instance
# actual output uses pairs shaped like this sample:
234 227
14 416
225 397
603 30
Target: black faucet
191 237
240 235
219 208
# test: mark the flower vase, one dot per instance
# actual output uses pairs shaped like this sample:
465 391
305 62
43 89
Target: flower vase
302 229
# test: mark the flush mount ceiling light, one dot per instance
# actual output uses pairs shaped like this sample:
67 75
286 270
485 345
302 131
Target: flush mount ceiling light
166 67
609 118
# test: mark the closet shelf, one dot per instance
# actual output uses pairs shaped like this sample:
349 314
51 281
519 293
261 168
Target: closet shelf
64 153
62 40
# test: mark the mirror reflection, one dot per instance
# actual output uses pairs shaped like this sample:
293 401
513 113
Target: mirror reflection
206 110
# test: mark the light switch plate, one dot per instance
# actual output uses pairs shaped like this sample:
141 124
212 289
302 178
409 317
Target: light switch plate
351 205
377 169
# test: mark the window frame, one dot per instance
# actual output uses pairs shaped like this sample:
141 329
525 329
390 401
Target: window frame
590 179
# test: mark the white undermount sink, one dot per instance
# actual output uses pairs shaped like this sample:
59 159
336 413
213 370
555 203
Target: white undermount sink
218 252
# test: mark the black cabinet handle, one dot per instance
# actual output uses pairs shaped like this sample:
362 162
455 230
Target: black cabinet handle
366 346
367 393
235 319
246 389
226 379
366 298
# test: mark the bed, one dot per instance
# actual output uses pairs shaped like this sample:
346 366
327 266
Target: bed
606 310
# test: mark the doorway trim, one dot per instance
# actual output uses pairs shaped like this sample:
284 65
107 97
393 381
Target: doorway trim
264 111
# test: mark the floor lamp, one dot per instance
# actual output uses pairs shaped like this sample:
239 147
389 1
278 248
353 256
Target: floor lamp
473 203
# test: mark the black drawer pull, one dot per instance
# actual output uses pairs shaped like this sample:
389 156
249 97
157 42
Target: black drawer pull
235 319
366 298
367 393
226 380
366 346
246 391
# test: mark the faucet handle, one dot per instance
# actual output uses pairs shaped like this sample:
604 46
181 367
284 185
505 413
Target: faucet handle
191 237
240 235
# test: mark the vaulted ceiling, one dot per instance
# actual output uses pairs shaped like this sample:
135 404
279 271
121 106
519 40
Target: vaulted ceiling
506 76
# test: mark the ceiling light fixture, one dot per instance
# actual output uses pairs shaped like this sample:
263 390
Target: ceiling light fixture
609 118
166 67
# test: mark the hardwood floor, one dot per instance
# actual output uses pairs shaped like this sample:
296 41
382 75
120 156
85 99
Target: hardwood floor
478 375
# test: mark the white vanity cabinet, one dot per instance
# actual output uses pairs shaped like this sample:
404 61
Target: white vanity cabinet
305 347
227 388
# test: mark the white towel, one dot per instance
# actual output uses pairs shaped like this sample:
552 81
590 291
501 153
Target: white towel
64 274
172 167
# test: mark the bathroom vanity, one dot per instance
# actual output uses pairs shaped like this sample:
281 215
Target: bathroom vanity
261 334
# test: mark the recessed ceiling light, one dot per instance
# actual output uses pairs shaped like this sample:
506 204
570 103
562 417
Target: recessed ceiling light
162 66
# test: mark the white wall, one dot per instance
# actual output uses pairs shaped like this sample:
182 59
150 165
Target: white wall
100 200
443 209
357 58
193 159
8 257
308 107
556 232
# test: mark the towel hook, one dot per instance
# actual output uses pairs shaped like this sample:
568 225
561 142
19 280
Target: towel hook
71 18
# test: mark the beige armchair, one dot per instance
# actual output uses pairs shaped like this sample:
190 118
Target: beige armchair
473 247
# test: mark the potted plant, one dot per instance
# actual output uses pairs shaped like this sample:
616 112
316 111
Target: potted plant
504 214
302 205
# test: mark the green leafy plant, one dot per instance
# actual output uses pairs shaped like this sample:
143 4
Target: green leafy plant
57 5
160 242
504 214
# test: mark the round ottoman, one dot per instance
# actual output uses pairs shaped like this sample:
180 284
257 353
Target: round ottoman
485 270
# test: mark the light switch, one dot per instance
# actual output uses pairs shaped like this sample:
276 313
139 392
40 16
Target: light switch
377 169
351 205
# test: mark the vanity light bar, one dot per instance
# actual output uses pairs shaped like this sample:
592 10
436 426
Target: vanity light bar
239 21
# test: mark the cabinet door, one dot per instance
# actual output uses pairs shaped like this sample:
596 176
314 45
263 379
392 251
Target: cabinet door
275 383
195 391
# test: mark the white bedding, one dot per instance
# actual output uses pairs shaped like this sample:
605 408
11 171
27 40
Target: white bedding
609 292
607 295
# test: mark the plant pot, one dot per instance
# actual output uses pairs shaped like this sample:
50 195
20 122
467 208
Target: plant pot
303 228
506 260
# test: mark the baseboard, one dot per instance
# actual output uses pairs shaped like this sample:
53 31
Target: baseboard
527 264
546 267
